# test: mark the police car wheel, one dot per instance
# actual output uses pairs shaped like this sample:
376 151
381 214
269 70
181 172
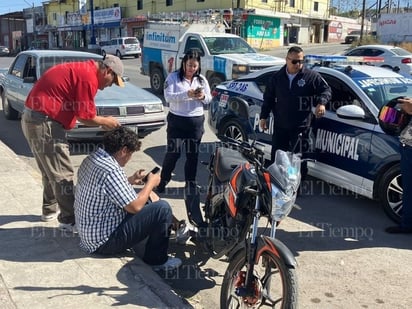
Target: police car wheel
390 193
234 130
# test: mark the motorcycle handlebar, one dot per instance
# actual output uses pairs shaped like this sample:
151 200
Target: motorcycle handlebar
250 151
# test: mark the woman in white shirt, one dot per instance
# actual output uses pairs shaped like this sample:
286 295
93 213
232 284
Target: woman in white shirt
186 91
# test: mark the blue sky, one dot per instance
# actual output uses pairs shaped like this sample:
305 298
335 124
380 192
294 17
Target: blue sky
17 5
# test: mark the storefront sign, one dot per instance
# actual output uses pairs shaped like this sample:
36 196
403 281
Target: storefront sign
74 19
335 30
106 15
261 27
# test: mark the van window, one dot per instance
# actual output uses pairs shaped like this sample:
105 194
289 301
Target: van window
130 41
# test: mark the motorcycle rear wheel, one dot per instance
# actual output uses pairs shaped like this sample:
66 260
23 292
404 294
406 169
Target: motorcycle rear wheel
276 285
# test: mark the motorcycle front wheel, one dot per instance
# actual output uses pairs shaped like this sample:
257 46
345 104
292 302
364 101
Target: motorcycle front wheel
275 285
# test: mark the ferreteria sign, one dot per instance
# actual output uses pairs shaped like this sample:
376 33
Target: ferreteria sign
263 31
261 26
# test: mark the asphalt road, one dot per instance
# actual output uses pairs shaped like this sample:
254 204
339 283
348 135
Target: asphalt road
345 258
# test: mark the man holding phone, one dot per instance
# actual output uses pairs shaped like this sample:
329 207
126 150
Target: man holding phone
153 171
110 216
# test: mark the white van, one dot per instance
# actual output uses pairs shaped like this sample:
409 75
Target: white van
124 46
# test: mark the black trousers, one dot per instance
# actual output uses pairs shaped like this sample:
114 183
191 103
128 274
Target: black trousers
288 140
182 133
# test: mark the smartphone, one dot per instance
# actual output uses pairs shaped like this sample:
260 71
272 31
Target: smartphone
153 171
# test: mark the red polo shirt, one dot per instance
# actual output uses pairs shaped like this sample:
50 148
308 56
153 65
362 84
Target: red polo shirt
66 91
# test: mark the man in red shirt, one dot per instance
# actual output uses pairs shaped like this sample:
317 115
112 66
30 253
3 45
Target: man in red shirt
64 94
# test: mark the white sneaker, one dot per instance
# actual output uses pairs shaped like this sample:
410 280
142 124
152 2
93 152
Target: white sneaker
171 264
182 233
68 227
50 217
185 232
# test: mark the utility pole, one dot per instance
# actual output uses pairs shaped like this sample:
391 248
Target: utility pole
92 33
33 16
363 21
378 9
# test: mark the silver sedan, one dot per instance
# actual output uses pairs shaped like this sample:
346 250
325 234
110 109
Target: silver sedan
133 106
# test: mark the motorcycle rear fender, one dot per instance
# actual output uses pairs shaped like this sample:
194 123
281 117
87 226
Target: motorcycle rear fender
266 243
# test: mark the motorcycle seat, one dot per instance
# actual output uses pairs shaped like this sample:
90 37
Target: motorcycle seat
226 159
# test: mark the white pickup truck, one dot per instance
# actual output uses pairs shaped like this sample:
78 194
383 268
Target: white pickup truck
224 56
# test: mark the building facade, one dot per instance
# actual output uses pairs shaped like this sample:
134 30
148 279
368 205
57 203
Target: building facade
12 31
264 24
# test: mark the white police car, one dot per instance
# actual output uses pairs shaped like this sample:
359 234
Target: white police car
350 148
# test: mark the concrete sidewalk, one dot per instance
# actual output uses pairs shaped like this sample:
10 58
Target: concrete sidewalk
41 267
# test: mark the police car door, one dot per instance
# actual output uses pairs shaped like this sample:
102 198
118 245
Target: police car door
255 106
341 145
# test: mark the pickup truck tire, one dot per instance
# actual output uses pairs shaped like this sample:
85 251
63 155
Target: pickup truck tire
118 54
215 80
157 80
9 112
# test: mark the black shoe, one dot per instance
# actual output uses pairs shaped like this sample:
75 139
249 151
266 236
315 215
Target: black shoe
161 187
192 186
398 230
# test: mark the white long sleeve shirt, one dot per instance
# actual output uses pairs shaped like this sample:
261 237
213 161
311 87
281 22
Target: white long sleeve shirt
175 94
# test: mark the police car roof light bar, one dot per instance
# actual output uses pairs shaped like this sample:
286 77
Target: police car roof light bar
326 60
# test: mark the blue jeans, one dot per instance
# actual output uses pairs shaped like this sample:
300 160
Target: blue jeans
153 221
406 170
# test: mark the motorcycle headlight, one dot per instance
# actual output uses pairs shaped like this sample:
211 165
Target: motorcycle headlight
282 203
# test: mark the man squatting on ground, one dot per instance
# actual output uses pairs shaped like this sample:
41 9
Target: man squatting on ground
110 216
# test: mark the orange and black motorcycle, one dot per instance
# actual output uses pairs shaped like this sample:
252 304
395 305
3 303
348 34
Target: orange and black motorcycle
241 191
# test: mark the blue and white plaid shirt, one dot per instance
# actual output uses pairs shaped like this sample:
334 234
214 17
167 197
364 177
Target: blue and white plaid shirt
102 192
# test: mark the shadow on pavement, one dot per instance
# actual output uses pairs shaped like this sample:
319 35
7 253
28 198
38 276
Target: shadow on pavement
335 219
193 275
54 263
10 132
37 243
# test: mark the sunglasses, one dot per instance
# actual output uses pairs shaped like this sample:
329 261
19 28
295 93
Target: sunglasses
296 61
